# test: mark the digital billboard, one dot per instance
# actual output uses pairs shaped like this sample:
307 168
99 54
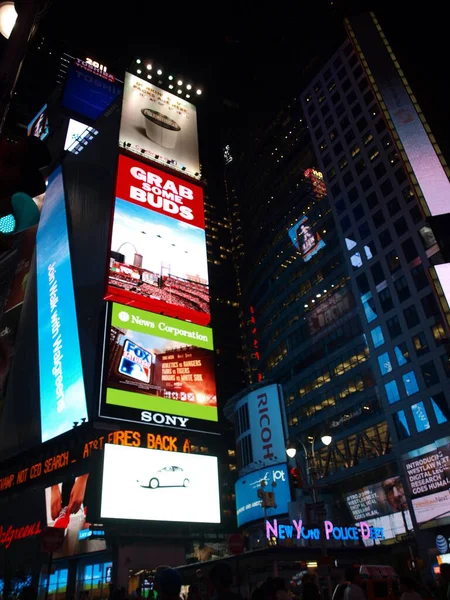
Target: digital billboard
159 125
265 423
38 126
87 93
427 473
248 504
154 485
307 241
78 136
61 384
159 371
158 246
67 507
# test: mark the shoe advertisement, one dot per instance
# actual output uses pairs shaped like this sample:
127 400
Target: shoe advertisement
67 508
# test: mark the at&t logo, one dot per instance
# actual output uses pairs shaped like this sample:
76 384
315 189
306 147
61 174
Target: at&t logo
123 316
441 544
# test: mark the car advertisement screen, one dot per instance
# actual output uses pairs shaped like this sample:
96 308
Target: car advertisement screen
428 478
159 371
68 505
158 246
248 503
62 393
154 485
307 241
159 125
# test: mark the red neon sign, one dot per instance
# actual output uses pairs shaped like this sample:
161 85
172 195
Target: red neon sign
7 536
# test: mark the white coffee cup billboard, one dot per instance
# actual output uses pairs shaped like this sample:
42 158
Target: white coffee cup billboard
160 129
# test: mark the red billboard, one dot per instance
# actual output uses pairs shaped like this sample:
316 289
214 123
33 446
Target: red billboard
158 247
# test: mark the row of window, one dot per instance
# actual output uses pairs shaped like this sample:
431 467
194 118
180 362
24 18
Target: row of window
417 414
429 374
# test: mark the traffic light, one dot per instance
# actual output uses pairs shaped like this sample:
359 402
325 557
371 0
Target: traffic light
295 478
20 181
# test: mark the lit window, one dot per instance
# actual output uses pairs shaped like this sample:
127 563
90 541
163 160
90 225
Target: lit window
402 354
377 337
420 417
392 392
385 363
401 425
231 452
232 467
440 408
410 383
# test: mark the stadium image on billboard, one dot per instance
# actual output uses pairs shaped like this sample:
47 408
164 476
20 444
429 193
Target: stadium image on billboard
159 370
161 124
158 248
154 485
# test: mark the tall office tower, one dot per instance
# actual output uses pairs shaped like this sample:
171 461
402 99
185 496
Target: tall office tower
390 195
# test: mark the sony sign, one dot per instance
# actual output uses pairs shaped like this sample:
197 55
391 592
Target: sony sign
266 425
159 419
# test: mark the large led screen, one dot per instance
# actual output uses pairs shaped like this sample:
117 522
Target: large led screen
158 247
428 478
159 370
61 383
248 504
161 124
307 241
154 485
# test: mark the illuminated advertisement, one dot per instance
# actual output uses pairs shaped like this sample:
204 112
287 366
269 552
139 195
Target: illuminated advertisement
158 248
317 183
427 472
416 142
329 310
443 276
38 126
78 136
266 424
153 485
87 93
248 503
62 394
159 370
307 241
159 125
67 507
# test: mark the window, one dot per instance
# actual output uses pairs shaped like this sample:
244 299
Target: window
402 354
440 408
336 96
372 200
393 157
420 344
331 174
361 124
326 160
323 146
385 299
386 188
358 212
373 154
345 123
420 417
366 183
420 277
380 126
363 284
333 134
408 194
343 162
340 109
353 195
400 226
367 138
446 364
439 333
379 170
342 72
345 223
360 167
349 136
377 273
377 337
402 289
369 97
340 206
385 363
335 190
400 176
378 219
356 110
409 250
337 148
369 306
314 121
319 132
392 393
393 206
393 260
364 230
386 141
329 122
385 238
411 316
351 97
346 85
410 383
401 425
393 325
363 85
429 305
352 60
429 373
356 261
416 215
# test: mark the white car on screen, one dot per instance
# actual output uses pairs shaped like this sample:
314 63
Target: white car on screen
166 477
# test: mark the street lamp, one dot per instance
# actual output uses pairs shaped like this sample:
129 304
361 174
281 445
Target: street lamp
291 447
8 17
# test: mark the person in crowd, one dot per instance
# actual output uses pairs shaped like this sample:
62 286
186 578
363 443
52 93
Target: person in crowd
408 589
353 590
443 590
310 591
221 577
168 583
280 589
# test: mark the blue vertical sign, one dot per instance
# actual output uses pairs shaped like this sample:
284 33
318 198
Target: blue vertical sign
62 393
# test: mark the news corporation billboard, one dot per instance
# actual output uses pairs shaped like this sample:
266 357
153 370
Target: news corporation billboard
159 371
158 247
159 124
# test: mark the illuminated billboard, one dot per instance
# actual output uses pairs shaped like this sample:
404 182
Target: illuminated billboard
61 384
158 247
154 485
38 126
307 241
78 136
427 472
248 504
159 125
159 371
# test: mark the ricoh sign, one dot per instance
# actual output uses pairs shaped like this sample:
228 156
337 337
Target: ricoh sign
266 425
